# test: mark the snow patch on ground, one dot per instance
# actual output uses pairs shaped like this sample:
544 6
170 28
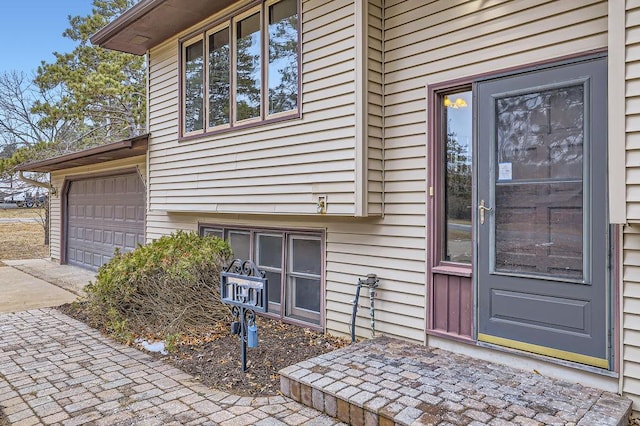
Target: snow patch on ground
152 346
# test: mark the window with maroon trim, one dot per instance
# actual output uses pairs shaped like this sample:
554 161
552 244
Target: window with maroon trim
292 262
455 147
242 71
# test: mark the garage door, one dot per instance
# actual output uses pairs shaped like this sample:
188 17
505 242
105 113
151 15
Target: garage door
104 213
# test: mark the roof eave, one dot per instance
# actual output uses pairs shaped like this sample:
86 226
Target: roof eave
102 37
151 22
127 148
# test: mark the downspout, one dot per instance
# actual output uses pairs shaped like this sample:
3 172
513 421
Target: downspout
52 190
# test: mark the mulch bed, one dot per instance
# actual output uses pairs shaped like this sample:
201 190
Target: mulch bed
217 363
3 419
213 357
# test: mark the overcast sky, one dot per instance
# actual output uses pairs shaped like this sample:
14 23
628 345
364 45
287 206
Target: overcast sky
30 30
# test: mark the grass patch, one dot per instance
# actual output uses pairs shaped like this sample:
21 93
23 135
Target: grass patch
22 241
21 213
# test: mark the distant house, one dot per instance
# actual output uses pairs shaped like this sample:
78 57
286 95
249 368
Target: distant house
480 158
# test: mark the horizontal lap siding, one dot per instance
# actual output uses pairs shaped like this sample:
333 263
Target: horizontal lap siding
57 181
275 168
375 108
354 248
631 257
278 170
428 42
393 247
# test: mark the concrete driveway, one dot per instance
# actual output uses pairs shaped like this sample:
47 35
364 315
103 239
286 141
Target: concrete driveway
39 283
21 291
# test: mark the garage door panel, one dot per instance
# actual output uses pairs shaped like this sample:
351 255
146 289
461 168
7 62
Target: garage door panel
104 214
130 241
118 239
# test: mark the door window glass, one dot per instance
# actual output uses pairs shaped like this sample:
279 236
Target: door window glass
457 113
539 183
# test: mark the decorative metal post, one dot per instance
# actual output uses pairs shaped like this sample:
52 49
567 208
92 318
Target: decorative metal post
245 288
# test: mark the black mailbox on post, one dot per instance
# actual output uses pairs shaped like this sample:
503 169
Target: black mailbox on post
245 288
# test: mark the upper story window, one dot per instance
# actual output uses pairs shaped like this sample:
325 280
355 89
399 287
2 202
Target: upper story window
242 71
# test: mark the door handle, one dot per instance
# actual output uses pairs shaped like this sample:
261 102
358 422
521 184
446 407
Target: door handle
482 208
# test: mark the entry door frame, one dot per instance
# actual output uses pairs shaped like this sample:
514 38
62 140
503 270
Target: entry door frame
446 281
610 323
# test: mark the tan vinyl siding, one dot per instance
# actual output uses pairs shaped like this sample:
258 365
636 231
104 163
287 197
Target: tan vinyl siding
375 108
434 42
354 248
415 39
631 254
278 168
58 180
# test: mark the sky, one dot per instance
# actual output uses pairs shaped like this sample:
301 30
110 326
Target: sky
31 30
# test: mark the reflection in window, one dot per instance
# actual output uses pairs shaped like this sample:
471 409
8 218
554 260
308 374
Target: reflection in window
256 79
540 134
457 115
194 87
539 216
269 260
219 84
283 56
248 68
240 244
213 231
304 279
292 262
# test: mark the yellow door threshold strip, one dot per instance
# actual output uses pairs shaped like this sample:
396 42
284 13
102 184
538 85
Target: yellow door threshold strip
543 350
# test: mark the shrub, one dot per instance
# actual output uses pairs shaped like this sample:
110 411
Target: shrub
169 286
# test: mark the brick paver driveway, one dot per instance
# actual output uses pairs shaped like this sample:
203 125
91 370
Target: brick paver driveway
56 370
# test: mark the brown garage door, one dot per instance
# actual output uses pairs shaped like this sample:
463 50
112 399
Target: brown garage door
104 213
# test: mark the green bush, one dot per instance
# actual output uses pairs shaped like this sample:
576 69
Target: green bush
169 286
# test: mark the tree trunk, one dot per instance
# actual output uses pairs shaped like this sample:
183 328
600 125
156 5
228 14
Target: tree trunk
46 222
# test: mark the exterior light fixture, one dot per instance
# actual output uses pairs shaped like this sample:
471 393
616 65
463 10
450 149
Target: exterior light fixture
457 103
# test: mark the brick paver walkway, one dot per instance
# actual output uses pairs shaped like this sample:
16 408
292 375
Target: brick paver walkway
56 370
387 381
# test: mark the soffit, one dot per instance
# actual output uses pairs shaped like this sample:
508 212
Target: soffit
150 22
113 151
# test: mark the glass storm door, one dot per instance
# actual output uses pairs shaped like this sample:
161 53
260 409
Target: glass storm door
542 258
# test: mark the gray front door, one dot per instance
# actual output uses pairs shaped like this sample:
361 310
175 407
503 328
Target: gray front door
542 258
